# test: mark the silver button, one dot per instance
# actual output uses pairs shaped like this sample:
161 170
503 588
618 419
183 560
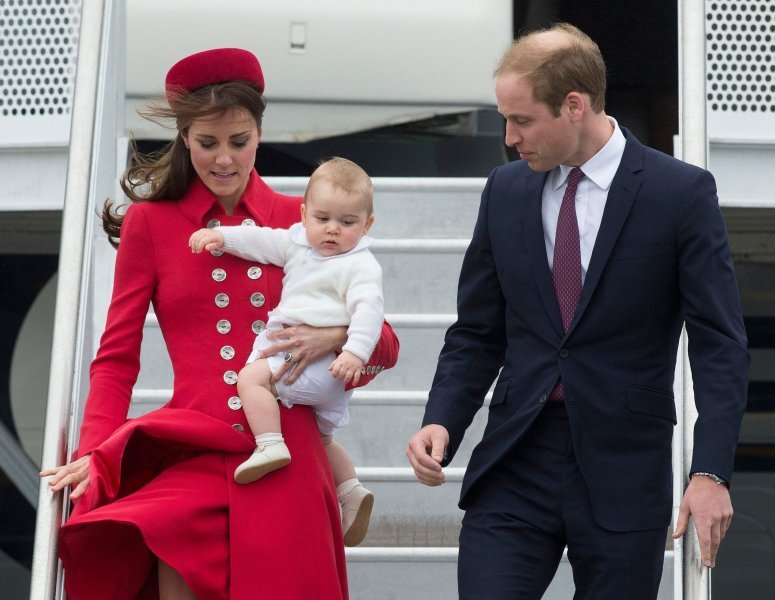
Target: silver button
254 272
258 326
223 326
213 223
249 222
235 403
219 274
216 252
257 299
238 427
230 377
221 300
227 353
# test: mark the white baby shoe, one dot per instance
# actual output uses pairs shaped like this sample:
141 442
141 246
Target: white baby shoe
267 457
356 513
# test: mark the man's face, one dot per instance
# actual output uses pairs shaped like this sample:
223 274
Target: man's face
542 139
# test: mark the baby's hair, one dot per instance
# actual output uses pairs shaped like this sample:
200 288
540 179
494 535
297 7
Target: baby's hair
345 175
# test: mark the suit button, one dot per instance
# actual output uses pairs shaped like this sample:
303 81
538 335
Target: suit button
223 326
227 353
222 300
564 353
219 274
249 222
257 299
542 399
213 223
230 377
216 252
238 427
258 326
235 403
254 272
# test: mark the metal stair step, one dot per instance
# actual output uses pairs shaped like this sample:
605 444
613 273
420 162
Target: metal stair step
431 574
439 207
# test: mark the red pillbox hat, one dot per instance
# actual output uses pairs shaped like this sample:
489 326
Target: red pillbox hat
210 67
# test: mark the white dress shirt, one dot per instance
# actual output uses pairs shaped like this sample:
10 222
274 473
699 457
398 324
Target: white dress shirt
591 196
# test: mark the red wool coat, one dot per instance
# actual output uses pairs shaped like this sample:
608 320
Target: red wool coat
161 484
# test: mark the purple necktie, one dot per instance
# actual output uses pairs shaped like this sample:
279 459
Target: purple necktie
566 266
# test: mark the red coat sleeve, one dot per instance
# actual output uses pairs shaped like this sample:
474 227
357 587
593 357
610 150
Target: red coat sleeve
383 357
114 371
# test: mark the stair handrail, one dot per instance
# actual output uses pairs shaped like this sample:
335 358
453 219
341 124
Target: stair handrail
692 579
97 103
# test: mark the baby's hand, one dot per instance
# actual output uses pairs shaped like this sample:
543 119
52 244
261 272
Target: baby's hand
205 239
347 366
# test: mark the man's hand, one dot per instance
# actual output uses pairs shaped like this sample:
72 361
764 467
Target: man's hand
710 505
426 451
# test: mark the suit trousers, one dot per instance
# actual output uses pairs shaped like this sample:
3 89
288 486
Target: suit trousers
533 504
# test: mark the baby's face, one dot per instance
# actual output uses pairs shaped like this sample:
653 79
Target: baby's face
335 220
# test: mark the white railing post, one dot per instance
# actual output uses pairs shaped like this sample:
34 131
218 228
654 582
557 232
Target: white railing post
692 579
97 119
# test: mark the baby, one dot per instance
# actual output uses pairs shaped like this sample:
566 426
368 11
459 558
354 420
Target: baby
331 279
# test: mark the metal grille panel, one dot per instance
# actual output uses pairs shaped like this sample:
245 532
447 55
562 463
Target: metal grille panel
38 49
740 64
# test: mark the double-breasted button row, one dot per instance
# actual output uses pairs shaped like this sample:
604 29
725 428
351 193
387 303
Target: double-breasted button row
223 326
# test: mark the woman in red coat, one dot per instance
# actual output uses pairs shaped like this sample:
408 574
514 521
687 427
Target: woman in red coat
157 512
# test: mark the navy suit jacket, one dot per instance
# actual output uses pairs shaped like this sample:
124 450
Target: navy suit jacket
661 259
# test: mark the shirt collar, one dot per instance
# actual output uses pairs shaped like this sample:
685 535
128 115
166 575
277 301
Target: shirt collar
601 168
299 236
200 203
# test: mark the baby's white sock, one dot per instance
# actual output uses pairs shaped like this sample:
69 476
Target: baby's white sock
343 489
269 439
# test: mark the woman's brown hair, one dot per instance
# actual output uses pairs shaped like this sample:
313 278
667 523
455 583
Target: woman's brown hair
168 173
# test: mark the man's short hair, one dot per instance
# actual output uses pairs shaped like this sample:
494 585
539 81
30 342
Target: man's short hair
556 65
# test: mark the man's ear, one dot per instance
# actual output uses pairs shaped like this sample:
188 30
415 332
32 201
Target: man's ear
576 104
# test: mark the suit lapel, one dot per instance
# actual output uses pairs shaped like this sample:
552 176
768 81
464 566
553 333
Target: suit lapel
624 189
533 228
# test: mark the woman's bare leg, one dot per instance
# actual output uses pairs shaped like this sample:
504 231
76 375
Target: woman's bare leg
171 584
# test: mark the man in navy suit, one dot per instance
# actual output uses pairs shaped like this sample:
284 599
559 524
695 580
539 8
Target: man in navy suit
573 293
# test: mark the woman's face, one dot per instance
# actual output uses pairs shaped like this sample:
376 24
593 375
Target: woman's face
223 153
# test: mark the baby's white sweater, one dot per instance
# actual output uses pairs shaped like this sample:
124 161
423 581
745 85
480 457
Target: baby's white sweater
321 291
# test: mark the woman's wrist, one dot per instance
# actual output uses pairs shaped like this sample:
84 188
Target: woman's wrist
337 337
